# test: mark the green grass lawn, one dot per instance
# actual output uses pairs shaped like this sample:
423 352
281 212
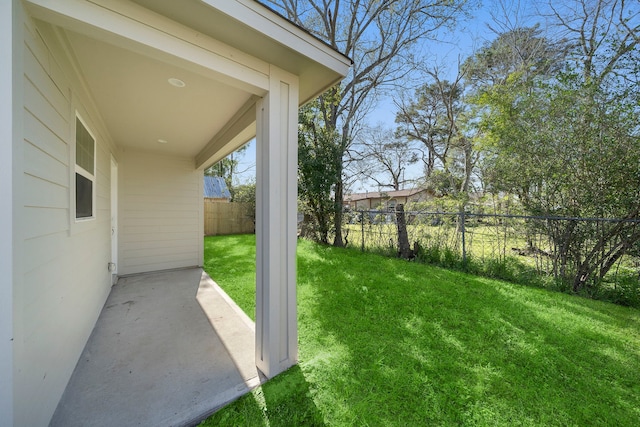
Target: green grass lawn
384 342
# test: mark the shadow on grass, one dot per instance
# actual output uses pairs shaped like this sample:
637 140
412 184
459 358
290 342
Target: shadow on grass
386 342
396 343
283 401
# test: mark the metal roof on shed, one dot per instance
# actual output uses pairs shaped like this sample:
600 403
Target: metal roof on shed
216 188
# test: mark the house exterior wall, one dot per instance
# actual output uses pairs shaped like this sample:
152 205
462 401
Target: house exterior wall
382 202
61 280
9 37
161 212
371 203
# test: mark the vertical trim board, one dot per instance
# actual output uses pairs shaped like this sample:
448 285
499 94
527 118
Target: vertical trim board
284 218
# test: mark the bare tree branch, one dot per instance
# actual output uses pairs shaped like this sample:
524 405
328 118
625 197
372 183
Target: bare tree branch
379 36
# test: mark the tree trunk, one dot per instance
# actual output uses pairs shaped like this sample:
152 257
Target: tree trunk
337 222
606 258
306 230
404 249
580 279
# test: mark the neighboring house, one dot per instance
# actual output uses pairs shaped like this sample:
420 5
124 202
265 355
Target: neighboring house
385 199
110 112
215 189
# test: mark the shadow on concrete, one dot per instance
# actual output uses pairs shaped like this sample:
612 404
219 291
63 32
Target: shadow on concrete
154 359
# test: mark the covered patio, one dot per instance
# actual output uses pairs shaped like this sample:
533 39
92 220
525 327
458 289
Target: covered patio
180 85
117 108
168 349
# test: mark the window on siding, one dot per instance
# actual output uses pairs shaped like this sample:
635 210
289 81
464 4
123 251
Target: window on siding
85 171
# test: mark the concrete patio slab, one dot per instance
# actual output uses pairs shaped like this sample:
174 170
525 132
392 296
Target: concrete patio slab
168 349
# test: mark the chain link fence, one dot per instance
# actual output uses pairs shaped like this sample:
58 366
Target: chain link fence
535 250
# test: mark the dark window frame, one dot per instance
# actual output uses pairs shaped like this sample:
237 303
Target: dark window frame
85 180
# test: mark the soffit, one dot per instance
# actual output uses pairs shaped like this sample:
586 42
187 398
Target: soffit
140 107
125 51
273 45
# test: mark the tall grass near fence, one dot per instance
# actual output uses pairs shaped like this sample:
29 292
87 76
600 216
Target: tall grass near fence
518 248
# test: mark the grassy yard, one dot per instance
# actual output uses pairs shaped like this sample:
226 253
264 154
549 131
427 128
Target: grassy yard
384 342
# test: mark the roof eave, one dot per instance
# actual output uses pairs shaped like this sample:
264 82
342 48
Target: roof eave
280 29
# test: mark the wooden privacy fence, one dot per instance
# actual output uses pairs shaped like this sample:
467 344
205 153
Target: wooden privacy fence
227 218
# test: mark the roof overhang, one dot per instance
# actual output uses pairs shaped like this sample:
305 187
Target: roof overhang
254 29
124 52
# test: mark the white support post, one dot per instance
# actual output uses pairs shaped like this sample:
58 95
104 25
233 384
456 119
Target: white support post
276 224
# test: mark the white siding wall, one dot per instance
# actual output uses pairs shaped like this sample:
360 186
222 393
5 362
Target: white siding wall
63 279
161 205
9 141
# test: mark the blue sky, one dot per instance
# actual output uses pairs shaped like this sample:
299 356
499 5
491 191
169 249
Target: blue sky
469 36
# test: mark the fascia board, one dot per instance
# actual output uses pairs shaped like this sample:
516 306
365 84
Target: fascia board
284 32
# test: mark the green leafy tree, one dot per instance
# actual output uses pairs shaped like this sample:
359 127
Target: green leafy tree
317 170
227 168
437 117
567 150
246 193
523 50
569 144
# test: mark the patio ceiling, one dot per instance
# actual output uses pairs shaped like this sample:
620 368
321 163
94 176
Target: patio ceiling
125 53
139 105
